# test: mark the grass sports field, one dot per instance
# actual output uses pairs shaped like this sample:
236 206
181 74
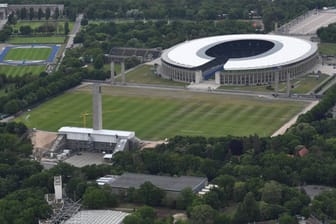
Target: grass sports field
157 114
19 54
37 40
11 70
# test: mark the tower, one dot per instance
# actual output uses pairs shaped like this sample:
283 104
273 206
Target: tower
58 187
97 107
123 77
112 72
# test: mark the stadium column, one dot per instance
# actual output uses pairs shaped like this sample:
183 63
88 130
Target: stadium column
198 76
217 77
277 82
123 78
112 72
288 84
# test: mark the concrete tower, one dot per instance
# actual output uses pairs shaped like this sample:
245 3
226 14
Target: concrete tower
97 107
123 76
288 85
277 82
112 72
58 187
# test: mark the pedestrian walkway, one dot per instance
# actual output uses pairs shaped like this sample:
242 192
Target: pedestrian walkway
205 85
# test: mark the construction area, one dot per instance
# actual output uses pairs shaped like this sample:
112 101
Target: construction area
82 146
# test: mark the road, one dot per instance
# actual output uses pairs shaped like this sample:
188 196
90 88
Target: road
292 121
309 23
75 30
70 42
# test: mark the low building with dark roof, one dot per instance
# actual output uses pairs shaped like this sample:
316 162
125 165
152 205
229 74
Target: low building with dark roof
171 185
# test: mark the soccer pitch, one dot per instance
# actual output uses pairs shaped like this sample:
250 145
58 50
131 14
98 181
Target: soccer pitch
19 54
158 114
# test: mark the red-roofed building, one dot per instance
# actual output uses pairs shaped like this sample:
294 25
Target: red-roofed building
303 152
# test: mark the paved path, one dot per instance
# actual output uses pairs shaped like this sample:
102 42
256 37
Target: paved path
75 30
309 22
292 121
72 35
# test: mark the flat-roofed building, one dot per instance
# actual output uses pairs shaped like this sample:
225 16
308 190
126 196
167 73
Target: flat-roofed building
171 185
97 217
86 139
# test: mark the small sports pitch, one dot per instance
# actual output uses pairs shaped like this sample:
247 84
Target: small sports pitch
33 54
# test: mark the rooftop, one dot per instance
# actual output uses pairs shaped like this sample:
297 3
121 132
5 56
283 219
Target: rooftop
286 50
128 180
78 130
97 217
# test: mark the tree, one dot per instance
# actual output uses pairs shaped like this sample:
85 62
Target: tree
56 13
84 22
132 219
23 13
212 198
98 62
271 192
66 28
11 18
31 13
47 13
143 215
185 198
287 219
149 194
25 30
248 210
202 214
39 14
95 198
12 106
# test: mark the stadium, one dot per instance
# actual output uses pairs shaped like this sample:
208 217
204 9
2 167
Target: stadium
246 59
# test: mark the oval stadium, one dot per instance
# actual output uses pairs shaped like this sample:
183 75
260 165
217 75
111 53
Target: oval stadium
245 59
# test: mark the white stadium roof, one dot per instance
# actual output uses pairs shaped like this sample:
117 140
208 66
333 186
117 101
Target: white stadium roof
286 50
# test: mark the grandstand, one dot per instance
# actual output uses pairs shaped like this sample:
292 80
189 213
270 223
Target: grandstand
119 54
241 59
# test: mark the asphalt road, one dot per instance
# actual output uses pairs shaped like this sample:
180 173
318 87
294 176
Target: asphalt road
74 31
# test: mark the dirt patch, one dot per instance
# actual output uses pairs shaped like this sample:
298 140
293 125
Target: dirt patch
43 139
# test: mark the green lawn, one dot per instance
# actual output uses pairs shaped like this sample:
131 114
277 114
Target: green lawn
20 70
307 83
37 40
34 24
327 48
157 114
19 54
144 74
302 84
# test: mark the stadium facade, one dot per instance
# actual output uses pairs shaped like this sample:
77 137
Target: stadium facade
246 59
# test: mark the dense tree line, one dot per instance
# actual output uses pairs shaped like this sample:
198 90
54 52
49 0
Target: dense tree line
320 111
155 34
327 34
18 202
270 11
